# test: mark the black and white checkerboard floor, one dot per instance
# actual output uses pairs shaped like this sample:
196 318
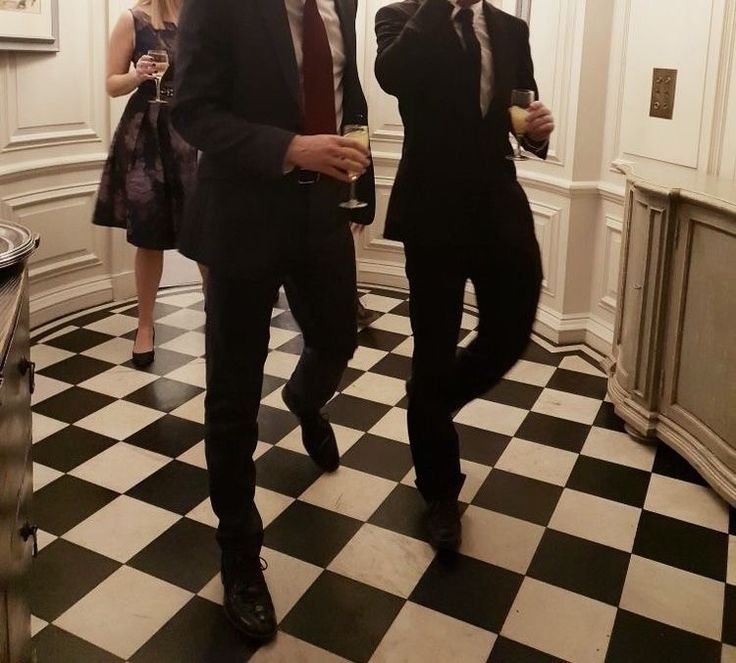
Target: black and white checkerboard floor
580 544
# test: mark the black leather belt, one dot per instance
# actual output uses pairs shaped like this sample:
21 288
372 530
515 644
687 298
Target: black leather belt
307 177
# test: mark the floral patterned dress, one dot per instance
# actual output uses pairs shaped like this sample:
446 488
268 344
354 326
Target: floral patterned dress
150 167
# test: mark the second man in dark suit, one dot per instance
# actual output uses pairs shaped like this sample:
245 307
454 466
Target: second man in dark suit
262 89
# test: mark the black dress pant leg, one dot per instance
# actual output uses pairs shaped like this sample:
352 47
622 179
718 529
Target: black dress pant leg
437 281
238 321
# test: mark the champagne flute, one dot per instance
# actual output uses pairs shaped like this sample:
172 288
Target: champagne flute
520 102
160 67
360 134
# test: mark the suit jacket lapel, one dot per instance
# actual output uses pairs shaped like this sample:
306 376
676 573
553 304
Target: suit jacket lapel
277 21
502 55
346 10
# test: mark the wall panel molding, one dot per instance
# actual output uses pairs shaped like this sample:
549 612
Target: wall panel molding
608 287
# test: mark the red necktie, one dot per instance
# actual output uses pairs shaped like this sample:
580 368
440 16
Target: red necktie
317 71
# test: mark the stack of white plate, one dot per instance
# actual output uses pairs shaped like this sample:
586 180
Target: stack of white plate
16 243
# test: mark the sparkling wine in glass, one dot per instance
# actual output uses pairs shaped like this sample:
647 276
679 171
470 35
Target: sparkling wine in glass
161 66
520 102
360 134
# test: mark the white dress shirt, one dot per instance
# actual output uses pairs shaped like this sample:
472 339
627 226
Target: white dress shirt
295 11
480 25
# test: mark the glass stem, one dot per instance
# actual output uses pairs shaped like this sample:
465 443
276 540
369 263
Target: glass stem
352 188
518 144
158 89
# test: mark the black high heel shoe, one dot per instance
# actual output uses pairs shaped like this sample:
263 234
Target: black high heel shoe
145 359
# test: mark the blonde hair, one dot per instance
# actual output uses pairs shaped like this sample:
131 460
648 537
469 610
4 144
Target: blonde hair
160 10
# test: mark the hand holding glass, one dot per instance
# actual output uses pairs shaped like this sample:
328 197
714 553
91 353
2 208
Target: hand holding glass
160 67
520 102
360 134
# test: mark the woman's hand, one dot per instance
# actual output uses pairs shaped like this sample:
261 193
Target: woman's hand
144 69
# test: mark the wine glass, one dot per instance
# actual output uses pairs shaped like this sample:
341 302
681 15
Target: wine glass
360 134
160 67
518 109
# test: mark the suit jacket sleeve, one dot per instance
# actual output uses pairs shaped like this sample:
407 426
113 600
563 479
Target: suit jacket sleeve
525 81
403 60
202 113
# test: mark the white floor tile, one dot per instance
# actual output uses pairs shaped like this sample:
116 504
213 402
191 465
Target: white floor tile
398 324
280 336
114 325
120 467
495 417
366 358
421 635
377 388
579 364
115 351
380 303
192 343
204 514
43 476
596 519
405 348
122 528
37 625
350 492
46 355
280 364
120 420
384 559
271 504
194 373
183 299
393 426
558 622
192 410
681 599
567 406
195 456
620 448
346 438
728 654
46 388
43 427
499 539
119 381
288 649
537 461
731 576
531 372
188 319
124 611
687 501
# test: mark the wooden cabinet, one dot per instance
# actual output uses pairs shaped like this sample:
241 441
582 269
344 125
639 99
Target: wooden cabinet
673 364
16 485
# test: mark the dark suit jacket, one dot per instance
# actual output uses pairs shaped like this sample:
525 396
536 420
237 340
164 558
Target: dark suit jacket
238 100
454 184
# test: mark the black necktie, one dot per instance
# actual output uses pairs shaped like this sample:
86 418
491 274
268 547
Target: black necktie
472 51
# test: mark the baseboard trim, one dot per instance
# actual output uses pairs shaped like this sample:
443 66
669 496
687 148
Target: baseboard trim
58 302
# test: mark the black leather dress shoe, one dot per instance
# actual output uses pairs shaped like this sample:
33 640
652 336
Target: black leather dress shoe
366 317
443 523
248 604
145 359
317 434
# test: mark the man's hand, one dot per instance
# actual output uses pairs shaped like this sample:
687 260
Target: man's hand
539 123
357 229
333 156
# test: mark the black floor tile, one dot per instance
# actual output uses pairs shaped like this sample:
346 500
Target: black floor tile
677 543
729 616
518 496
79 340
271 384
607 418
96 316
402 309
285 321
481 446
165 362
70 447
403 511
554 432
636 639
609 480
160 310
343 616
461 588
669 463
380 339
310 533
164 334
294 347
516 394
170 436
508 651
164 395
380 457
52 645
198 633
73 404
581 566
354 412
538 354
275 424
62 574
391 294
732 522
66 502
186 555
348 377
286 472
177 487
579 383
394 366
76 369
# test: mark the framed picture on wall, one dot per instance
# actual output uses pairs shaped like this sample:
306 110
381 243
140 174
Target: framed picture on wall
523 9
29 25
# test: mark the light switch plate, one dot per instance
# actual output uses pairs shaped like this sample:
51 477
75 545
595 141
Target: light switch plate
664 83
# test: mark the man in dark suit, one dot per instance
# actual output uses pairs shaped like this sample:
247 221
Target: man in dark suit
461 213
262 89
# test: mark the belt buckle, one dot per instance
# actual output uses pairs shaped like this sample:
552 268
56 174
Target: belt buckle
307 177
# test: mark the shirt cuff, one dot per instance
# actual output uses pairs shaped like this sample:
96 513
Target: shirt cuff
535 146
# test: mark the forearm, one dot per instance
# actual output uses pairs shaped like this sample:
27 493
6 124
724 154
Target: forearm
119 85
